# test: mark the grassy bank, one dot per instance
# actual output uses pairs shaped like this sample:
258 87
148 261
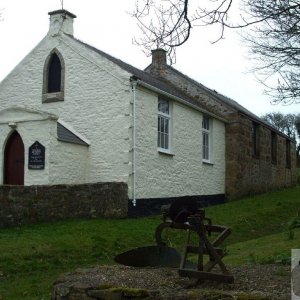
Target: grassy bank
32 257
254 217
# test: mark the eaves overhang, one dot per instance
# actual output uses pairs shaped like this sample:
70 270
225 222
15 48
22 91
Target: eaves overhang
175 98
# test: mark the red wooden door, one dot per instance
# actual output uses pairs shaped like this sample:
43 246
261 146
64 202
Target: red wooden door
14 160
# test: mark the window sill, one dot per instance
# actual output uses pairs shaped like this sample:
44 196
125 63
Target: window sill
165 152
53 97
205 162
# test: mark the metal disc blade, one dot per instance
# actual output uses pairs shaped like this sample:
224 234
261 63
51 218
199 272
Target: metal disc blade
150 256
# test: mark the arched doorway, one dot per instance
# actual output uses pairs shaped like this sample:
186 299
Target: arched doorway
14 160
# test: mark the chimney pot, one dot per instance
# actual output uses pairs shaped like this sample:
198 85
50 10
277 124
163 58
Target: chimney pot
61 20
159 57
159 62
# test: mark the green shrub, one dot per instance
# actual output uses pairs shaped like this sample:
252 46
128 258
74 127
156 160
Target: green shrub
294 223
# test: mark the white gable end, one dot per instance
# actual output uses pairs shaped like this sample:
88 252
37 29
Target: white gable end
95 109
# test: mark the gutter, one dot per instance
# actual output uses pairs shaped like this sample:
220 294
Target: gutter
161 92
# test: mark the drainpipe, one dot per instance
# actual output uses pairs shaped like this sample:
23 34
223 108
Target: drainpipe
133 89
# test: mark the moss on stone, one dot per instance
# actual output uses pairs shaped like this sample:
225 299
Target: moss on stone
131 292
245 296
105 286
209 295
217 295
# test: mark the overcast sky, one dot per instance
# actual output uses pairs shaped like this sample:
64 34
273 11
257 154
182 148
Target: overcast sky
108 26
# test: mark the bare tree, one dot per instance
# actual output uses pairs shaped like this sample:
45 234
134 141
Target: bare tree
285 123
298 146
297 123
1 14
273 34
275 43
288 124
168 24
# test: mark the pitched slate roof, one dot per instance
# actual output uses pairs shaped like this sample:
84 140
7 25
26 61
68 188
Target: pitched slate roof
220 97
171 89
146 77
66 133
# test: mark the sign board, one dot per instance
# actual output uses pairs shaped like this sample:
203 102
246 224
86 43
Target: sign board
36 156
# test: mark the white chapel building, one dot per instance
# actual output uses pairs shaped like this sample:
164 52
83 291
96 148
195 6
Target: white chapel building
70 113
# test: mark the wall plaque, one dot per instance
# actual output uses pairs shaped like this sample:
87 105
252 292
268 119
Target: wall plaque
36 156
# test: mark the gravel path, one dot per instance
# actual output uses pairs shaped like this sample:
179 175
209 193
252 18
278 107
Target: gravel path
272 281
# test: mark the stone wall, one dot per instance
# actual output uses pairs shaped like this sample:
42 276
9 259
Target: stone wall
32 204
247 174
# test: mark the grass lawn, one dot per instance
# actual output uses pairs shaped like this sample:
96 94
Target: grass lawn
32 257
254 217
273 248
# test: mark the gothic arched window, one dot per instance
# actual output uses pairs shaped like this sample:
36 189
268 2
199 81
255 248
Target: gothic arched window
54 73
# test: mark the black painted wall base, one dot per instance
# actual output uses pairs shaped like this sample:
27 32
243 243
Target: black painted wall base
152 206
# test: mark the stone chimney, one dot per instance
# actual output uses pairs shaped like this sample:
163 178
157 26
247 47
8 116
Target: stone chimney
61 21
159 62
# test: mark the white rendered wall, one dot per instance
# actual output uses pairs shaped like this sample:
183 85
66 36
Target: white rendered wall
96 104
182 173
68 163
